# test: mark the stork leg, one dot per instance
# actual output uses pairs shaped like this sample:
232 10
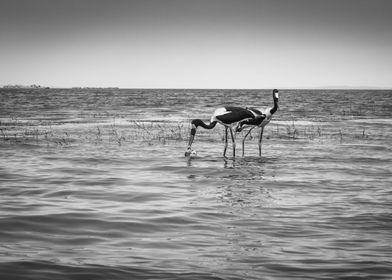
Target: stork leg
224 151
261 137
243 142
233 140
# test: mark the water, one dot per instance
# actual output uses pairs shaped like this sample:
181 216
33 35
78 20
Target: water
94 185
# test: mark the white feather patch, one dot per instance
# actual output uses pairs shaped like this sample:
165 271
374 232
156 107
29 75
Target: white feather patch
219 112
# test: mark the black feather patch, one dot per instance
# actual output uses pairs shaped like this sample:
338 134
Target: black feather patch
235 114
254 122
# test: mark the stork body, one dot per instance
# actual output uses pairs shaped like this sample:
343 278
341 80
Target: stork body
231 117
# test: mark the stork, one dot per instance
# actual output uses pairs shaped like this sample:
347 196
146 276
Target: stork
231 117
262 118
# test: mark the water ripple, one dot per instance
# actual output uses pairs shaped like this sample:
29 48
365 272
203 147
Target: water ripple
97 189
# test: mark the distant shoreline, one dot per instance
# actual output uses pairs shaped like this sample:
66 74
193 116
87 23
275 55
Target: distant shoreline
164 88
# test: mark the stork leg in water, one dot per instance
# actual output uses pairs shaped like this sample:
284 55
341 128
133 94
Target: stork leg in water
224 150
243 141
261 137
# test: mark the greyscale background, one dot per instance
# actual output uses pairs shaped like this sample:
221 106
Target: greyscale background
197 44
94 183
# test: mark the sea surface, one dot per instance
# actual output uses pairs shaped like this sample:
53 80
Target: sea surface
94 184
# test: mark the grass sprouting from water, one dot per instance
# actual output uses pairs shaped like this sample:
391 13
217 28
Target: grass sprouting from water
120 131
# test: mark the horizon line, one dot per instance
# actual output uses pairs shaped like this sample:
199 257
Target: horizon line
36 86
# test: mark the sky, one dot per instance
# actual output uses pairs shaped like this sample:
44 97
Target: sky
196 44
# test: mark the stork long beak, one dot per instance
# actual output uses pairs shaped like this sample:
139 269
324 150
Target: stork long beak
191 138
191 141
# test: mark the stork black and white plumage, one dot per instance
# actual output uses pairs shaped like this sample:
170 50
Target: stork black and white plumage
262 118
231 117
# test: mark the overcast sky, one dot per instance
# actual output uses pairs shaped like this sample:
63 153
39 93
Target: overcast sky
196 44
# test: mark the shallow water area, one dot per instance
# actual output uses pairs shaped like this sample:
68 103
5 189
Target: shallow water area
101 190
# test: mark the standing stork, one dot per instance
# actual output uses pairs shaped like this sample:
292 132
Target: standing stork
231 117
261 119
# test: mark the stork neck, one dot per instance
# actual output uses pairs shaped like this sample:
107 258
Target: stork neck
198 122
275 108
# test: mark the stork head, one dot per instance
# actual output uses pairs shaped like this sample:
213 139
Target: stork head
195 123
275 94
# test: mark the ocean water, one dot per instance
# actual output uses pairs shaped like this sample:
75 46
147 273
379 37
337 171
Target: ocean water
94 185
